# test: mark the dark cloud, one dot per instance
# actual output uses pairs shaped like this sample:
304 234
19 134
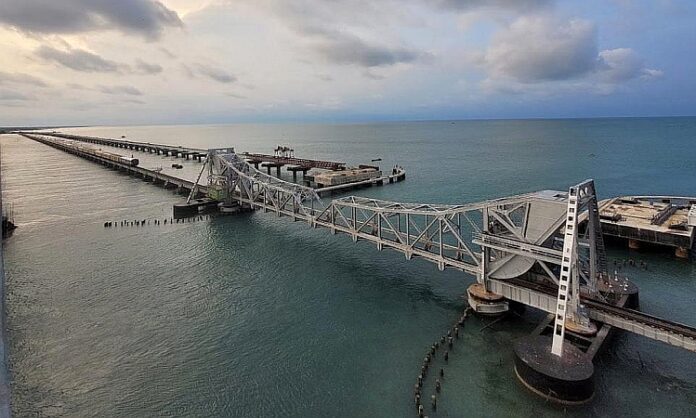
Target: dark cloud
144 17
350 50
372 76
78 60
128 90
143 67
76 86
85 61
187 71
134 101
11 95
514 5
169 54
215 73
17 78
318 20
344 48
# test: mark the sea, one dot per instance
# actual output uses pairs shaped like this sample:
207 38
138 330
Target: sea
258 316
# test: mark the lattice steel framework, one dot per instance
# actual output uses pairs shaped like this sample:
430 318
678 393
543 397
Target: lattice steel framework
478 238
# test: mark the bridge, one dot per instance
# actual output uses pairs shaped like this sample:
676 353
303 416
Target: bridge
165 180
159 149
543 249
494 240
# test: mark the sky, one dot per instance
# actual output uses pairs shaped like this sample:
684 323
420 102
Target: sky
80 62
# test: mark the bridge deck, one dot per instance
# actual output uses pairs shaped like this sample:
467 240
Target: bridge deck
154 176
300 162
122 143
641 323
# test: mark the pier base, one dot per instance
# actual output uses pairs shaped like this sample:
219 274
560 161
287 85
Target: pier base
587 329
567 379
485 302
681 252
183 210
616 288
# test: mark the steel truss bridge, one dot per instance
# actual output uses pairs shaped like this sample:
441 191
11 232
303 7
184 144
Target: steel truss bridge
501 242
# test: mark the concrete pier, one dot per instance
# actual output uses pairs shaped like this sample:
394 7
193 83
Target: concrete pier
569 379
663 221
295 169
270 165
393 177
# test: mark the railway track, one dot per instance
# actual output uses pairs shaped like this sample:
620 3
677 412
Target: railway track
643 318
618 311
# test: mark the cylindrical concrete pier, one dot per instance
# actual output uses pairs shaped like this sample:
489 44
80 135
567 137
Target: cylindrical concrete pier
567 379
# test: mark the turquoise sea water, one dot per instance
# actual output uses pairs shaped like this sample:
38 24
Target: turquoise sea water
257 316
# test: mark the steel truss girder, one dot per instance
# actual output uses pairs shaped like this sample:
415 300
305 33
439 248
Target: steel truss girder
433 232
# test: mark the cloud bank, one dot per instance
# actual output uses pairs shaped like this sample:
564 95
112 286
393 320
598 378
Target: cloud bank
144 17
78 60
541 48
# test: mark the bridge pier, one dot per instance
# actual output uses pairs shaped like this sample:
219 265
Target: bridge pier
270 165
567 379
485 302
294 171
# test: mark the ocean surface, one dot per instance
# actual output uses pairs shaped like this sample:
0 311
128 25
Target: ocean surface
256 316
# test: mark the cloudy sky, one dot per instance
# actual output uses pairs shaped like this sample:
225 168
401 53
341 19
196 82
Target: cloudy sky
215 61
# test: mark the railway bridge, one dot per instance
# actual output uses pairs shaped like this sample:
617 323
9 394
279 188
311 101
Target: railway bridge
544 250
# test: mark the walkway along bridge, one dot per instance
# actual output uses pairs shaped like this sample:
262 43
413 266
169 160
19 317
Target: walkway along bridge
505 243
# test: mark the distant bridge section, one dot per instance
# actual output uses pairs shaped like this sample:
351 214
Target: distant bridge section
160 149
163 179
277 161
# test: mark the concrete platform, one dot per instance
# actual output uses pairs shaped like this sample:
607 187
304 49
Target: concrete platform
660 220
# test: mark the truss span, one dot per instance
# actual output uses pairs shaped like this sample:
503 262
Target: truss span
442 234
